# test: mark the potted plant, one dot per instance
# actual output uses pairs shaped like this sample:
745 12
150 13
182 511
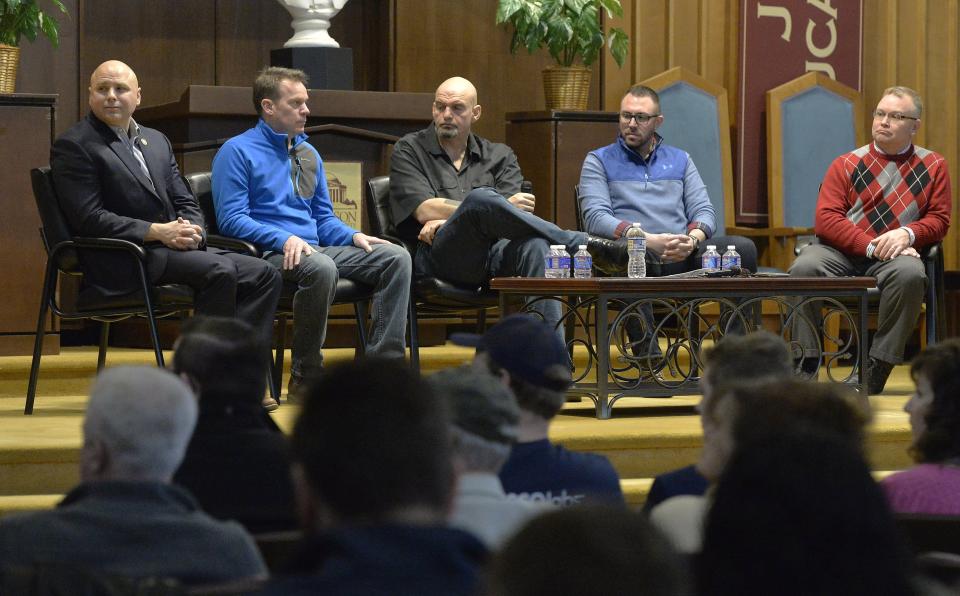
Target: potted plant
22 18
571 32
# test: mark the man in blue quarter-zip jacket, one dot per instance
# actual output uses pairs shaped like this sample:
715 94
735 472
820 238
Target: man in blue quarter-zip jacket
269 188
641 179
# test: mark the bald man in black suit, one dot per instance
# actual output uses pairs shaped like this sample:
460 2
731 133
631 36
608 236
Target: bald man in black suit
116 179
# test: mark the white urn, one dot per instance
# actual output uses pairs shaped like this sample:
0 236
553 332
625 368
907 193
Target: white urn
311 20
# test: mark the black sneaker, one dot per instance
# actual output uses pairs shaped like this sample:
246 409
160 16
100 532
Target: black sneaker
877 373
609 256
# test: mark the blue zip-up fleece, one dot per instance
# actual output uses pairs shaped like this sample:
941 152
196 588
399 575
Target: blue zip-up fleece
665 193
264 193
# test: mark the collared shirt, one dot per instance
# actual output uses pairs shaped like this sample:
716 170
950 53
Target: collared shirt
420 169
131 138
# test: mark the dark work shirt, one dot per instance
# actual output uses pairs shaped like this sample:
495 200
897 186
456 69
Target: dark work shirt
685 481
394 560
540 471
420 169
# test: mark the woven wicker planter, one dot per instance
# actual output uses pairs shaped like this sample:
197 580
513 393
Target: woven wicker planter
566 87
9 59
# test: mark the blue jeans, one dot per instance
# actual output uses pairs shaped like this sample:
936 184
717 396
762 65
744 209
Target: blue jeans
387 269
488 237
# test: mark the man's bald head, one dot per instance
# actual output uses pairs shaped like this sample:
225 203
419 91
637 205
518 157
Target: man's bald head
455 109
460 87
114 93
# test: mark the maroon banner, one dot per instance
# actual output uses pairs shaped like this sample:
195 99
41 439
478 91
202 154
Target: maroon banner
781 40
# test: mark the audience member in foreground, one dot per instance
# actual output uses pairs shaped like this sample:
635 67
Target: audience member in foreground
374 481
588 550
528 356
798 513
880 205
933 485
126 518
237 463
755 357
484 426
743 413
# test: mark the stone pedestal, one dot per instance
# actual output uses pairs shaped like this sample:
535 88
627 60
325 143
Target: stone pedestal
328 68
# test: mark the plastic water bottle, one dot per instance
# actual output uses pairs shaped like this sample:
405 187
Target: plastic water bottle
551 267
711 258
731 258
582 263
563 270
637 251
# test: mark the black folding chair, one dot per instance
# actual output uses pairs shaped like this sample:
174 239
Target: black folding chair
63 257
429 295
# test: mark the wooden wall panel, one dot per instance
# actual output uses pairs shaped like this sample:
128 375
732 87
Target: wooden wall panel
699 35
169 44
44 69
437 39
246 31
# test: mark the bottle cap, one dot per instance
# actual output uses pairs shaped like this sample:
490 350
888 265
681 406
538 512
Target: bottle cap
711 247
582 247
731 247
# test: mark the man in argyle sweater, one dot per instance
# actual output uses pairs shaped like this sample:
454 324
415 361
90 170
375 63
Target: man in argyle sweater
880 205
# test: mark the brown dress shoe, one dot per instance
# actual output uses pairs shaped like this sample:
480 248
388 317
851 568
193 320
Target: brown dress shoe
269 404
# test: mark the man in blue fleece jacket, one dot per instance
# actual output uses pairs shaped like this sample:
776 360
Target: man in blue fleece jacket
269 188
639 178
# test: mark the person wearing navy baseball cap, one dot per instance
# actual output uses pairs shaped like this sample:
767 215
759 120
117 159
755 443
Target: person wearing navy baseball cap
529 358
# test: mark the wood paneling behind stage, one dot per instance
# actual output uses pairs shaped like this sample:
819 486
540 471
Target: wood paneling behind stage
437 39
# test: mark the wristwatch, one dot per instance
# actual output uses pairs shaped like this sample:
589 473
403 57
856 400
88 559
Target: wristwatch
696 241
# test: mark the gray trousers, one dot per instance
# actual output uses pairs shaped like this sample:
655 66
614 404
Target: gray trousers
387 269
901 281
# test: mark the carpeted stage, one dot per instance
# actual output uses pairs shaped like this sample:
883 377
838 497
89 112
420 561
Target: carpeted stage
39 453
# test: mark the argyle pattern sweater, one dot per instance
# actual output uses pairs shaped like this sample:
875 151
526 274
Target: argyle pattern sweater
866 193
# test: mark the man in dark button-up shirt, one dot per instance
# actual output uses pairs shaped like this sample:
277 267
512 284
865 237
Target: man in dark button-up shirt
460 196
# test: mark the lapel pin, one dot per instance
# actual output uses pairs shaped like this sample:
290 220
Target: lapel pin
143 142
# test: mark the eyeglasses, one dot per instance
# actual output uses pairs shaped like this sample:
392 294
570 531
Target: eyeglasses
641 118
898 116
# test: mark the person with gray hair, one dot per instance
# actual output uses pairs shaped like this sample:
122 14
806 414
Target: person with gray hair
484 418
126 518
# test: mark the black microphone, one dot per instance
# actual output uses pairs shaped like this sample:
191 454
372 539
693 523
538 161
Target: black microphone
526 186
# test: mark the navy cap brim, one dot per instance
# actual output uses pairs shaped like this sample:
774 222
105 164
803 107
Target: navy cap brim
466 339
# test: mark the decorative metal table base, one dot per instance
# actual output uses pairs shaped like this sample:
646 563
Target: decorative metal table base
661 326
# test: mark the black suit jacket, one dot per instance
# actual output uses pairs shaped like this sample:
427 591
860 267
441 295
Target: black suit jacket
103 192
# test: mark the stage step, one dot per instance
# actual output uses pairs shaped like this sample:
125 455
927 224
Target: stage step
39 454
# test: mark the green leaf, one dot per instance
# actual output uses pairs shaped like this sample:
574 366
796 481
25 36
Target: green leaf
507 9
619 45
49 28
570 30
576 6
613 8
